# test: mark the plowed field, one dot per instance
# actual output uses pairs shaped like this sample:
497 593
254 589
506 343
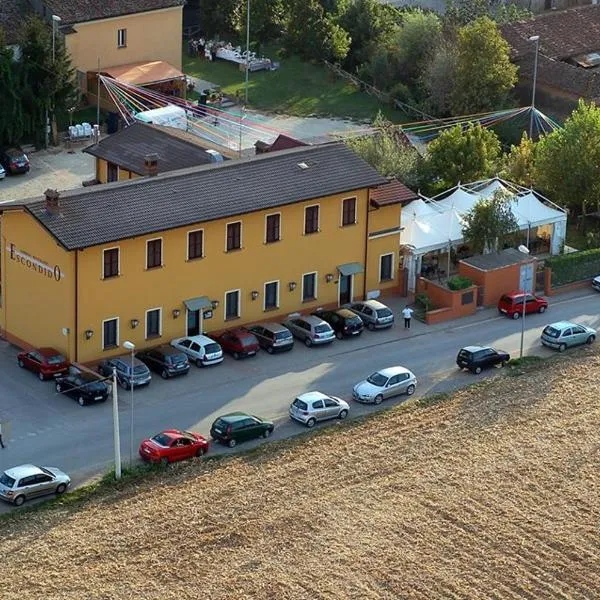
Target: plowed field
491 494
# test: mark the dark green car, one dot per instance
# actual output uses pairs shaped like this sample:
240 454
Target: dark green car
239 427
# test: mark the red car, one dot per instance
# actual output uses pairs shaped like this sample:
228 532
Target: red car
46 362
511 304
239 342
173 445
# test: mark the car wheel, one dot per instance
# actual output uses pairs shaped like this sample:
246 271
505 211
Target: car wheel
236 355
61 488
477 370
410 390
19 500
502 364
199 362
21 363
231 443
343 414
164 374
307 342
370 326
200 452
516 315
590 339
81 401
339 335
378 399
41 376
266 433
311 423
164 461
270 349
562 347
58 388
542 309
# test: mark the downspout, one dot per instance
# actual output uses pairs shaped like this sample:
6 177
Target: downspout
366 244
76 333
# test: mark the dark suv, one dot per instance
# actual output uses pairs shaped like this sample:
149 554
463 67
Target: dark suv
239 427
476 358
273 337
165 360
141 373
14 160
343 321
84 387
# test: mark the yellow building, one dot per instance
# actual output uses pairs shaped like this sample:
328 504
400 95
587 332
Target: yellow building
200 249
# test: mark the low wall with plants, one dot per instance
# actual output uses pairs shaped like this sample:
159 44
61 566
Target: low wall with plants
575 266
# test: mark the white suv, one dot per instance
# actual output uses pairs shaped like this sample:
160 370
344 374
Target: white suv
314 406
200 349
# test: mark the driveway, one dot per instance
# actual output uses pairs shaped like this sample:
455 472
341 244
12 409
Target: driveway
56 168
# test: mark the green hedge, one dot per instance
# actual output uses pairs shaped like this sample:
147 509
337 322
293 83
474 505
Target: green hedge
458 282
576 266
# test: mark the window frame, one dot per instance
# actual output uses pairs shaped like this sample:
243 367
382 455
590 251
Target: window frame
267 241
109 167
162 255
118 273
355 221
318 229
239 304
122 38
153 335
391 277
265 307
187 247
116 345
315 275
227 249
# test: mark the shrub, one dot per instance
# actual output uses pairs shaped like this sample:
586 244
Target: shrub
423 301
458 282
574 266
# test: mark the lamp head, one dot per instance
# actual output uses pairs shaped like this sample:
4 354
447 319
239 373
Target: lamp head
128 345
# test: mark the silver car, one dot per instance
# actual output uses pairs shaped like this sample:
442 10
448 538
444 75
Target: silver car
596 283
200 349
563 335
374 314
29 481
311 330
385 384
314 406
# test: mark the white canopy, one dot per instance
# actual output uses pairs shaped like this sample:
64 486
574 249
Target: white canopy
494 186
460 199
170 116
530 212
434 231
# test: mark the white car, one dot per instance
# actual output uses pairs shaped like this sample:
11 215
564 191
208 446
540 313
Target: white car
596 283
385 384
314 406
200 349
2 172
30 481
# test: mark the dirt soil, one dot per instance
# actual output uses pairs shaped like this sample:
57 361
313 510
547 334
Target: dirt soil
492 494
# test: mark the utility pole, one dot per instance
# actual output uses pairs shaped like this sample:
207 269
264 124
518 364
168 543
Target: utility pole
98 96
116 434
536 39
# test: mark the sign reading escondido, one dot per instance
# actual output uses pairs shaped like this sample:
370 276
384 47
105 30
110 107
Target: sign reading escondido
31 262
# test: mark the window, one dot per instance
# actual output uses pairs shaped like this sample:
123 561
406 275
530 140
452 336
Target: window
311 219
153 325
112 172
234 236
232 304
348 211
111 263
271 295
330 403
153 254
121 38
110 333
318 404
195 244
386 267
309 286
273 228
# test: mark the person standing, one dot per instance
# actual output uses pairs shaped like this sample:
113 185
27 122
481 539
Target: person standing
1 442
407 314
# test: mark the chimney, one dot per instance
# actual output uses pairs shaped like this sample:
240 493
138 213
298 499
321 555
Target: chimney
52 201
151 164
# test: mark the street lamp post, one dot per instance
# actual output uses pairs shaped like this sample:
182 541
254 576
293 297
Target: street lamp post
55 19
524 250
536 39
130 346
116 434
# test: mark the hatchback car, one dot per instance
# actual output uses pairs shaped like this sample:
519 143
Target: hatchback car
563 335
45 362
511 304
83 387
173 445
373 313
29 481
166 360
141 374
239 343
314 406
385 383
2 172
14 160
311 330
477 358
343 321
596 283
239 427
200 349
273 337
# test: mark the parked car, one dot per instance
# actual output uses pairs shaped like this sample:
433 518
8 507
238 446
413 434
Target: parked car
314 406
141 374
385 383
511 304
310 329
166 360
84 387
477 358
563 335
172 445
45 362
200 349
239 427
343 321
596 283
239 343
273 337
373 313
14 160
2 172
29 481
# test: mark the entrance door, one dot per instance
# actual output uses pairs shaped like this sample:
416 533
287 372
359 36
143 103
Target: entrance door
193 322
526 277
345 288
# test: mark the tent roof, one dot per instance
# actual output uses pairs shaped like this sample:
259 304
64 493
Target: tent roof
432 231
144 73
460 199
530 212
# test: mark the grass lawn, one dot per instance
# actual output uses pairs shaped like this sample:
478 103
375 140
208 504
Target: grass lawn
297 88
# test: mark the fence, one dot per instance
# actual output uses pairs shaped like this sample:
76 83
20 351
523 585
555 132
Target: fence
575 266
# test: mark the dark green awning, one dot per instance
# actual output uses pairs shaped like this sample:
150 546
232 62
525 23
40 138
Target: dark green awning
198 303
350 269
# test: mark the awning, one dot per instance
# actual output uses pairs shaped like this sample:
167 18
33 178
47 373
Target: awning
198 303
350 269
144 73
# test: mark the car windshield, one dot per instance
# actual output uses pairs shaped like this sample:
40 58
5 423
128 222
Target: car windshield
220 424
175 358
356 320
506 299
162 438
56 359
300 404
283 335
551 331
384 312
464 353
377 379
89 378
210 348
247 341
7 480
140 369
323 328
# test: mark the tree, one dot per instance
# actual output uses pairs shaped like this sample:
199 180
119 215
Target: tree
463 155
438 77
490 223
461 12
219 18
484 74
519 163
11 108
567 163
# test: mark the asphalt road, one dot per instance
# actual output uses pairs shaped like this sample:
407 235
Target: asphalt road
50 429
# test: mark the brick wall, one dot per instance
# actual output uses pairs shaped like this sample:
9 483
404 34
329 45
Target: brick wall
448 304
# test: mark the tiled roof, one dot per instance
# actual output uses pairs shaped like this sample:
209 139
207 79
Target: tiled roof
392 192
11 18
79 11
115 211
129 147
